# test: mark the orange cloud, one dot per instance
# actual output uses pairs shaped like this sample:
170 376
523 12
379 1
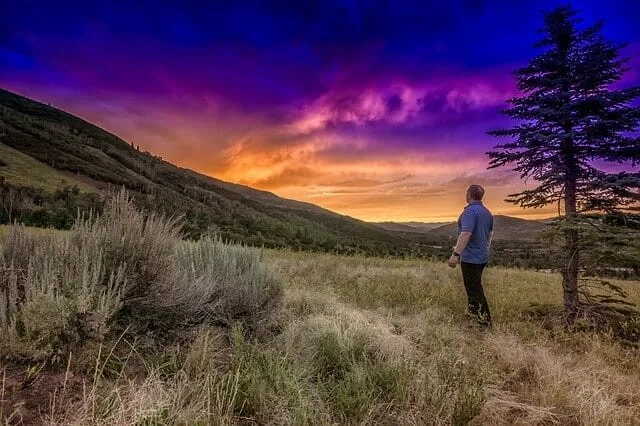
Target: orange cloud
367 154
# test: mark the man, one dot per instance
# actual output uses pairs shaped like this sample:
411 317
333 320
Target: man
475 231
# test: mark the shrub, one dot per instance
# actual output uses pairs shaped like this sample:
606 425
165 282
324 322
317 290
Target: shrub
55 298
143 244
213 281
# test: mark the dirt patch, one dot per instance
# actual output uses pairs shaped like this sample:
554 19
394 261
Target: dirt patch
35 399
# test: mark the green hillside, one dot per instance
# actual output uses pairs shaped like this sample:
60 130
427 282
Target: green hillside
20 169
60 145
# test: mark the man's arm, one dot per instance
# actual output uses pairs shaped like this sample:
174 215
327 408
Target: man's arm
462 242
467 225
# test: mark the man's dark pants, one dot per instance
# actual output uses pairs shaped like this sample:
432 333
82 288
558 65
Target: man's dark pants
472 277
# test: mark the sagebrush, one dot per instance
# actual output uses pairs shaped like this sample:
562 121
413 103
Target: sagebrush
59 291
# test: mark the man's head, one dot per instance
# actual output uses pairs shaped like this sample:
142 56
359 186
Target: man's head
475 193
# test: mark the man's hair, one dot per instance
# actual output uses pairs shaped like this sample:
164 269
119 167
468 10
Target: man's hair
476 192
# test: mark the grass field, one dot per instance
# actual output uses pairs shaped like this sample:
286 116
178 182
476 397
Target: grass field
516 372
21 169
356 341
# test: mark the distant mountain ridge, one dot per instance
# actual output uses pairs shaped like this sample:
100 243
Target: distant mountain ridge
505 227
417 227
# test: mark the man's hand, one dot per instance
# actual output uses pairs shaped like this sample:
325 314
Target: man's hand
453 260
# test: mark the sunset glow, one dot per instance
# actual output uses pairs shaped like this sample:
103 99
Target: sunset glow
368 110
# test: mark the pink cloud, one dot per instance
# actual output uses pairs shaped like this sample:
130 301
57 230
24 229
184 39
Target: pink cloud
418 103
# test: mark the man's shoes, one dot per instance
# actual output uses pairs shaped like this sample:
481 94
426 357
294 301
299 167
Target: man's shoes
484 320
484 323
478 319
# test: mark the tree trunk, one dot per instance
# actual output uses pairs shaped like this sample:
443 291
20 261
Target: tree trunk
571 268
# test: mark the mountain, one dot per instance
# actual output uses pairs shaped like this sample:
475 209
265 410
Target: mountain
504 228
426 225
45 151
417 227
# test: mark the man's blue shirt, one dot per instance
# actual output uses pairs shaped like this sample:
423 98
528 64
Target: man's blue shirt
477 219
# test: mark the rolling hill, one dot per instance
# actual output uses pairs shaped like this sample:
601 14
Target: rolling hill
504 228
417 227
43 148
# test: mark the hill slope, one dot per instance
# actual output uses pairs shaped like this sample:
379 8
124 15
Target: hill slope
20 169
504 228
59 141
417 227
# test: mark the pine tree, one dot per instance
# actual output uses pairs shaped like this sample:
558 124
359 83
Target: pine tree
570 121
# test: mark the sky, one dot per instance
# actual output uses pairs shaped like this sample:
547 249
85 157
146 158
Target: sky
374 109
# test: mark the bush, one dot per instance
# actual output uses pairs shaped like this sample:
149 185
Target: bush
142 244
222 283
53 296
61 290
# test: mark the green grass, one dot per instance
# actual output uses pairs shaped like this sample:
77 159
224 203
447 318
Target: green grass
23 170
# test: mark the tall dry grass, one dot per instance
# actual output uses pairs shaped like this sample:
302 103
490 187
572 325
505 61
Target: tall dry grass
349 340
402 353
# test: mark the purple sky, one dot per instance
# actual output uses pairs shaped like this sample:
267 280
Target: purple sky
374 109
